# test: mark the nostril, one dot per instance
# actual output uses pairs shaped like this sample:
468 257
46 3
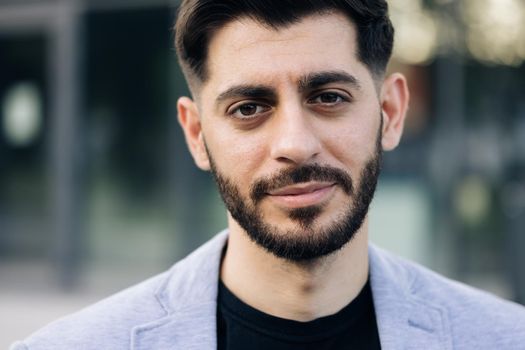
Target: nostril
285 160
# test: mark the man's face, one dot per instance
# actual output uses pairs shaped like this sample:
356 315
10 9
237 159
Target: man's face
292 126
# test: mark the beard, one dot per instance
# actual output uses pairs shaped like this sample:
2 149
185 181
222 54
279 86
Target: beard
308 241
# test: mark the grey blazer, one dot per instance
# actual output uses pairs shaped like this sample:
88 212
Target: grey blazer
416 309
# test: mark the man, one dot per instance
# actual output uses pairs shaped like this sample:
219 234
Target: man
291 112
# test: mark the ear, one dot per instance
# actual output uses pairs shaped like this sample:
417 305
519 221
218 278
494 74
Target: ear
190 122
394 104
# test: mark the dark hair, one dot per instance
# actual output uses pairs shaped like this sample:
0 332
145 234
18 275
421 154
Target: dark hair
197 21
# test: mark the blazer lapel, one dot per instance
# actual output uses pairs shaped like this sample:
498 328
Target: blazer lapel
189 298
191 329
403 320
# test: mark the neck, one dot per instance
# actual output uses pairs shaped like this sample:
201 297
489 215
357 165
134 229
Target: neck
291 290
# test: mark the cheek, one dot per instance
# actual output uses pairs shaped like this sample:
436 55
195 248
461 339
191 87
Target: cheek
352 144
238 157
246 162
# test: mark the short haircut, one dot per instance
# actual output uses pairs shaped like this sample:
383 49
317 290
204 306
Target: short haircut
198 20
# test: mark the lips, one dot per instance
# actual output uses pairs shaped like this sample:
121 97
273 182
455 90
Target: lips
300 189
302 195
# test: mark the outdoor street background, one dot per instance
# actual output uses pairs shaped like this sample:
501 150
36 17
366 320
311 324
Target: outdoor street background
98 191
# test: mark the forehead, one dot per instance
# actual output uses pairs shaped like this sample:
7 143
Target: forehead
245 50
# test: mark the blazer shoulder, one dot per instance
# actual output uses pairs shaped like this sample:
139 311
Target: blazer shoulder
106 324
112 323
477 318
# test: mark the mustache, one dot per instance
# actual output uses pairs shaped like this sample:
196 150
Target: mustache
305 173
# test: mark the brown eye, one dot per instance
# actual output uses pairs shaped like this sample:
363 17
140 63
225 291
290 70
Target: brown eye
248 109
329 98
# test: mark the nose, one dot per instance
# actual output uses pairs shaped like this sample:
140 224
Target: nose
295 140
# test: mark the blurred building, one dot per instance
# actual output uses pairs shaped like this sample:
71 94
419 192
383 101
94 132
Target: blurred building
97 189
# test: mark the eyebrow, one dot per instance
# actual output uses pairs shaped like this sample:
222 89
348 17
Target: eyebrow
316 80
247 91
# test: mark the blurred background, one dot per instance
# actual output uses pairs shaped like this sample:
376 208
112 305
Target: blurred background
98 191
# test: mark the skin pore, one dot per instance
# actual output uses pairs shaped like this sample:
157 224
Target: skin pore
278 100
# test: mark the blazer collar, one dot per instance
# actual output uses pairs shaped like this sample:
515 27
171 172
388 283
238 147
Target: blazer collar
405 320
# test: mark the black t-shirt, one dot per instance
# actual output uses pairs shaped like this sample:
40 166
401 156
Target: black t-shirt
241 327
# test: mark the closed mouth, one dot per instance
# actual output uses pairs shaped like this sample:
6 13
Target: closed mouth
300 189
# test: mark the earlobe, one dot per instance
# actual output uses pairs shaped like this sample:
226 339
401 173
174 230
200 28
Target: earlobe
189 119
394 104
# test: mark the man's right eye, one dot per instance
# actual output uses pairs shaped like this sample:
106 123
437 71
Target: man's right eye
248 110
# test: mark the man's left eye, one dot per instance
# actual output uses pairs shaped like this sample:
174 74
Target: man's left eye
329 98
